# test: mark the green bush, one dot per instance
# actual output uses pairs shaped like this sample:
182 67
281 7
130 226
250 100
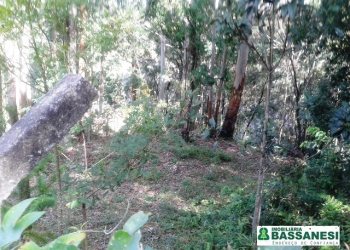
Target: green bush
335 212
202 154
144 117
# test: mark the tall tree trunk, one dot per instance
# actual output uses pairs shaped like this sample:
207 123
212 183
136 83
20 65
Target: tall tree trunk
263 160
221 85
212 65
101 86
192 48
212 113
77 43
162 83
285 113
298 128
185 65
228 126
72 35
133 91
2 117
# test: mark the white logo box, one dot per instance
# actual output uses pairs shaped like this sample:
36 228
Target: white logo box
298 236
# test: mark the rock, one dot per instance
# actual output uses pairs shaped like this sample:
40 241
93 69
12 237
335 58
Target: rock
41 128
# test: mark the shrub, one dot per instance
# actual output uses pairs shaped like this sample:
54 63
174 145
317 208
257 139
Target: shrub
201 153
335 212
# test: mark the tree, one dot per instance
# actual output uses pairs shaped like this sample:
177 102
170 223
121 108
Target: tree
240 72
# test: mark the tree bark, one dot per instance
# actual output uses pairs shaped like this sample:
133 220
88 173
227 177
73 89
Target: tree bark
185 65
194 54
228 126
298 128
220 86
263 159
101 87
162 83
41 128
212 65
2 117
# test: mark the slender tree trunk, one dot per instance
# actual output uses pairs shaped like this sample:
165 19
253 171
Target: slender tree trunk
73 63
185 65
59 179
284 115
2 117
228 126
38 57
212 65
77 43
221 85
162 83
255 110
298 128
101 87
134 71
263 160
83 205
195 59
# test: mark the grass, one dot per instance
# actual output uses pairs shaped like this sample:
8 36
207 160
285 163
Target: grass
203 154
212 227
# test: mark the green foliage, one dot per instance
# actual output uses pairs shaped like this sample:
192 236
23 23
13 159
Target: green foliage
65 242
129 238
39 237
145 118
15 222
201 76
133 151
213 226
335 212
320 105
328 164
318 139
315 194
202 154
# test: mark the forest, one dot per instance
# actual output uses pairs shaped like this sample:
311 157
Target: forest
173 124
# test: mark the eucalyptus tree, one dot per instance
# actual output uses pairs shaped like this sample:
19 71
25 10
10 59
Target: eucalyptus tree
240 71
271 14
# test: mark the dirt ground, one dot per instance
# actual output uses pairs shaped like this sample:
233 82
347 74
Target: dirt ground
115 206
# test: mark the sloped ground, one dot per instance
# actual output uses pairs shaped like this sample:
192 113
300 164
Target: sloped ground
181 191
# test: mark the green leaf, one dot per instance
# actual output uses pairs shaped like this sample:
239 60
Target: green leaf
73 204
61 246
121 240
15 212
27 220
135 243
135 222
30 246
68 239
